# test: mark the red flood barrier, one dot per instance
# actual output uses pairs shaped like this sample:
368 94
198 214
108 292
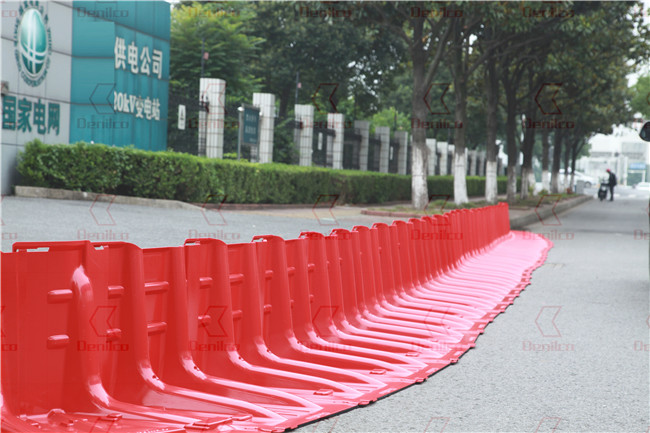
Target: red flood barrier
260 336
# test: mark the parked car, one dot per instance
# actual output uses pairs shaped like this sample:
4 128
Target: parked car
589 181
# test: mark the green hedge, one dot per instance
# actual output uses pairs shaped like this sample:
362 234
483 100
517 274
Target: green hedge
127 171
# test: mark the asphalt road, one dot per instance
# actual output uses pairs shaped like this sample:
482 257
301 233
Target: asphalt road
571 354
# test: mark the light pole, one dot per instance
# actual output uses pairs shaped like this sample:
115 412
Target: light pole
241 131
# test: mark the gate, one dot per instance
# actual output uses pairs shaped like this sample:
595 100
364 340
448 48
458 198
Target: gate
351 148
185 140
374 147
409 150
393 156
321 146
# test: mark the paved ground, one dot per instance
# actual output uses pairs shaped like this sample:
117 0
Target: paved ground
584 371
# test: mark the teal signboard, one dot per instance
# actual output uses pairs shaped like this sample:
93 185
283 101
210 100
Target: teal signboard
250 125
120 73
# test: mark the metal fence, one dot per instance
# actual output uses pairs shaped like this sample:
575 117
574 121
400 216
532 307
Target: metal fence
322 146
351 148
187 139
374 146
393 156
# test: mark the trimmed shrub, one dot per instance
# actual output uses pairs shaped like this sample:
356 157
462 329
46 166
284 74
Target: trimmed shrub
179 176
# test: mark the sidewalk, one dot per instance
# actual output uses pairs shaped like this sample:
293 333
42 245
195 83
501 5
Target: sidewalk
546 209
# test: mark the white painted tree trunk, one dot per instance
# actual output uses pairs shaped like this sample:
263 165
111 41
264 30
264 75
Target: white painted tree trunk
460 172
524 183
491 189
419 192
531 179
555 183
546 180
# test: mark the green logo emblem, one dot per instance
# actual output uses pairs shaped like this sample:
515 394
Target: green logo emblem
32 43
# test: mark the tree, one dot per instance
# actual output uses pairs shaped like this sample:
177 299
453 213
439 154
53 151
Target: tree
425 31
640 102
222 35
308 42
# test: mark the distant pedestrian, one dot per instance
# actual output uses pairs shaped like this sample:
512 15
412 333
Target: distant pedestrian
611 184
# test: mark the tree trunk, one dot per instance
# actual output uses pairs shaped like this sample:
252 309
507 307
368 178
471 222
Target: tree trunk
567 153
491 90
557 154
460 112
574 152
420 155
545 160
527 166
511 127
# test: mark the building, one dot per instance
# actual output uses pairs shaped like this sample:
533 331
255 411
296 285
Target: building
623 152
83 71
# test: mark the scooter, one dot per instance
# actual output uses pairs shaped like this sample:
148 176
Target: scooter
602 190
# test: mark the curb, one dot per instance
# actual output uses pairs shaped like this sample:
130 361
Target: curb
64 194
516 222
538 214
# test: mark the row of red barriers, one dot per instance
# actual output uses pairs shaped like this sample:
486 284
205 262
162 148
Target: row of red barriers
259 336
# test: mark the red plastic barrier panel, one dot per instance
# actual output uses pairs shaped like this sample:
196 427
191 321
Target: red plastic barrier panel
259 336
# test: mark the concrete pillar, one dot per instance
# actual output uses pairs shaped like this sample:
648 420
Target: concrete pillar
383 133
364 129
335 122
442 147
431 165
450 159
266 104
403 138
214 90
305 114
